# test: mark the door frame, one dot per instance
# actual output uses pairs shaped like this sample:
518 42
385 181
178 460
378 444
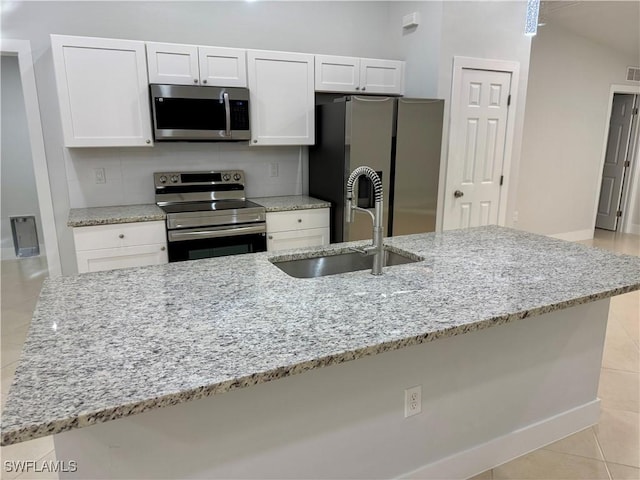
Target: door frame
512 67
632 190
22 50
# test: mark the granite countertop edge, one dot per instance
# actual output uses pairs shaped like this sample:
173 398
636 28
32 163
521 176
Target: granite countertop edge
113 215
289 203
133 408
116 214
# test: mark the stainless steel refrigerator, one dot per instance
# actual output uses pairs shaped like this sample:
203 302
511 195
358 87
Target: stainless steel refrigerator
400 139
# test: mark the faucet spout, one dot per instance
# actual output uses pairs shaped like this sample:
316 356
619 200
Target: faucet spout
377 247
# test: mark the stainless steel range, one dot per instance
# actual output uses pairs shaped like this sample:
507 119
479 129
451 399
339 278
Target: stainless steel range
208 214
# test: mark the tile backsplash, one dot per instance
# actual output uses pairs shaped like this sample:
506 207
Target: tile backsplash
129 171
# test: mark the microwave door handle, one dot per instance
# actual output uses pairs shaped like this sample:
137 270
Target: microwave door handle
227 111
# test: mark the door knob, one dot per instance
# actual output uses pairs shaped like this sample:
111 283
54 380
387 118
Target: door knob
458 194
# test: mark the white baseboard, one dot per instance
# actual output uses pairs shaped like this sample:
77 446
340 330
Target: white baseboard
575 236
488 455
633 228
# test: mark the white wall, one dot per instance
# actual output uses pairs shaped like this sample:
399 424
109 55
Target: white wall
491 30
344 28
419 46
19 195
569 84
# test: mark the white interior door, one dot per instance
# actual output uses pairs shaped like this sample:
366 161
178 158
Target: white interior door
616 162
478 130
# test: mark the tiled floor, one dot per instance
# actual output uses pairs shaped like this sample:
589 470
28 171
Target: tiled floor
610 450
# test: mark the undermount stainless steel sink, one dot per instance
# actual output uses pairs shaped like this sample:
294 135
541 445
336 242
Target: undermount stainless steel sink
332 264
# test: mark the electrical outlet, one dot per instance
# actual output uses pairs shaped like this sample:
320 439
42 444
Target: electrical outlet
412 401
273 169
100 175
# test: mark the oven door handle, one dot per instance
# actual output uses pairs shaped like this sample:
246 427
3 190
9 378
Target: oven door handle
177 236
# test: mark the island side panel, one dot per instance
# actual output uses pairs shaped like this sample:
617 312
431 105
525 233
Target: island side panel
487 396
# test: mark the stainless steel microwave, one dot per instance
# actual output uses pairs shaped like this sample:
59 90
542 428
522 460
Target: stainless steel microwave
182 112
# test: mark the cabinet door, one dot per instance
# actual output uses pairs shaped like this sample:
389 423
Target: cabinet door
337 74
123 257
103 91
223 67
310 237
297 219
282 98
119 235
381 76
173 64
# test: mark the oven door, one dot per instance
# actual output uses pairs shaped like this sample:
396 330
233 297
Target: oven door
196 243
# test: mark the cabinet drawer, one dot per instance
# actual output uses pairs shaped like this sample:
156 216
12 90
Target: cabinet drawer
309 237
119 235
124 257
297 219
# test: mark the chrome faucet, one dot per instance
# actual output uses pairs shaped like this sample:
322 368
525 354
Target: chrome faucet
377 248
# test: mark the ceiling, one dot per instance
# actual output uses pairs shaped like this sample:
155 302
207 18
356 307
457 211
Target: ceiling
615 24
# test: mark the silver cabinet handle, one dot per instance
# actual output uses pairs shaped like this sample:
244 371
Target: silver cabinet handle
299 220
227 112
162 249
204 80
148 141
458 194
121 235
364 88
270 237
195 80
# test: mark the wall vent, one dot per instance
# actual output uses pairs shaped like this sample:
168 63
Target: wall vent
633 74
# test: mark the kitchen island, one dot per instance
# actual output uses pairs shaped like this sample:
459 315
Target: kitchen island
503 330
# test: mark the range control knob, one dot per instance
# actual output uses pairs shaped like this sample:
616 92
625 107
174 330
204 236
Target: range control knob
174 178
226 177
163 179
237 176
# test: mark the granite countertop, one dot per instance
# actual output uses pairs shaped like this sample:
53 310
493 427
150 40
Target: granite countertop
106 345
290 202
86 217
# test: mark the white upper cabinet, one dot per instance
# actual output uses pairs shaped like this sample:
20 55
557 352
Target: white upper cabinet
223 67
178 64
381 76
103 91
282 99
337 74
173 64
358 75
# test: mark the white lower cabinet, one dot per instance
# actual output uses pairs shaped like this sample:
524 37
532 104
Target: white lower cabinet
107 247
297 229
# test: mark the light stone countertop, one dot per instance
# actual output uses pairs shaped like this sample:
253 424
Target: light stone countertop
290 202
107 345
86 217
